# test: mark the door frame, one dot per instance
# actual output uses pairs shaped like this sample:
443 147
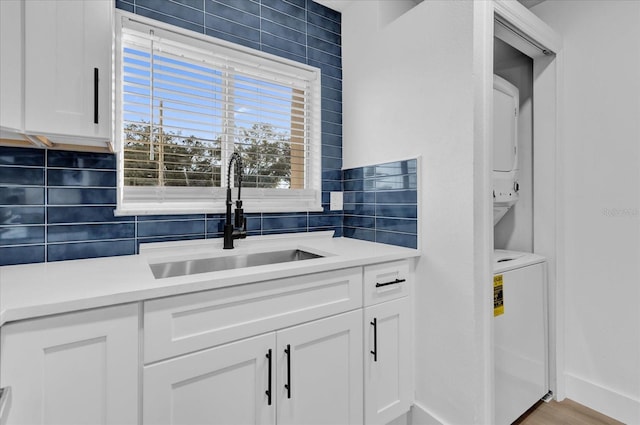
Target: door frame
547 174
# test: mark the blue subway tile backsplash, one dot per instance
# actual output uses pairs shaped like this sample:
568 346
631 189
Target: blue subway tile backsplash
397 238
84 214
249 6
21 215
87 160
21 195
171 228
381 203
126 5
175 9
21 176
71 216
84 232
359 233
76 219
22 254
92 178
81 196
73 251
21 235
20 156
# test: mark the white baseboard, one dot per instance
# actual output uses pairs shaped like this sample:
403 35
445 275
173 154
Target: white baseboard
418 415
604 400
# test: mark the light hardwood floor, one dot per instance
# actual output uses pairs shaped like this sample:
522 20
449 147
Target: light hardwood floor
566 412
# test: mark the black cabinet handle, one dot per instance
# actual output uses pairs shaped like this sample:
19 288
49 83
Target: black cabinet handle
268 392
375 339
96 78
393 282
288 384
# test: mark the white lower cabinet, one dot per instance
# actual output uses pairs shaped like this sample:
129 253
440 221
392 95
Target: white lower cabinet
387 366
76 368
227 384
322 371
306 374
291 351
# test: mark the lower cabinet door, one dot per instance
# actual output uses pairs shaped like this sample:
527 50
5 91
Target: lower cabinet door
224 385
76 368
320 372
387 369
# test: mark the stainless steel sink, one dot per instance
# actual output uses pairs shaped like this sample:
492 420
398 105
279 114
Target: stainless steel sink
205 265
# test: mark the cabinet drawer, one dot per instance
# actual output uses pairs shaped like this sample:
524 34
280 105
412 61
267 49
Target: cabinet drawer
386 281
191 322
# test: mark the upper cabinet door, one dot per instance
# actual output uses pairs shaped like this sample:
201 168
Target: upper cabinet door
68 47
10 65
320 373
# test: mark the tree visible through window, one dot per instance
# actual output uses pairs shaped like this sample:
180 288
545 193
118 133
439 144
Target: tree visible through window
175 160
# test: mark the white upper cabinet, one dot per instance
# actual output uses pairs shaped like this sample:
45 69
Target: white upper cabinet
67 59
11 12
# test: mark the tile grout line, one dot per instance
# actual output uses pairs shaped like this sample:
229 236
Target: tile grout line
46 206
260 25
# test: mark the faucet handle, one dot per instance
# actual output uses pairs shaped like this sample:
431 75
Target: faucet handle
239 219
242 232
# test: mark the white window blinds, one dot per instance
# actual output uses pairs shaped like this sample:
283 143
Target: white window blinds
187 102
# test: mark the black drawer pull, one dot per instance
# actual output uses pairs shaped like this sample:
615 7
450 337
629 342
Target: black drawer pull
96 92
375 339
287 386
393 282
268 392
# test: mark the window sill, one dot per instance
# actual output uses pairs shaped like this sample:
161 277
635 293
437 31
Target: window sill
209 208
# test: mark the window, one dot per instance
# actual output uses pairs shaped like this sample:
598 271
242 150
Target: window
186 102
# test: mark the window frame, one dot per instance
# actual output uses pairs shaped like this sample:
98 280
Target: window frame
149 200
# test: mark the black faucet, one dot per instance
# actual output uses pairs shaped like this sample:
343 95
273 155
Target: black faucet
239 230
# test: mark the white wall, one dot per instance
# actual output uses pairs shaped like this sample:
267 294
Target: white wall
408 90
515 230
600 145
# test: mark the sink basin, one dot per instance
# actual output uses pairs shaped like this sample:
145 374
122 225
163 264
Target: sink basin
205 265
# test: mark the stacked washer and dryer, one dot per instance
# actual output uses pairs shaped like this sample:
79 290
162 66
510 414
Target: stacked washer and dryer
520 281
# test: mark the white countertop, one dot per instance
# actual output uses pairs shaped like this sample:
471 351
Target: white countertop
34 290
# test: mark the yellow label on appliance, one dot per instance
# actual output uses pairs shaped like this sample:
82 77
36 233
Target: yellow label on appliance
498 298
